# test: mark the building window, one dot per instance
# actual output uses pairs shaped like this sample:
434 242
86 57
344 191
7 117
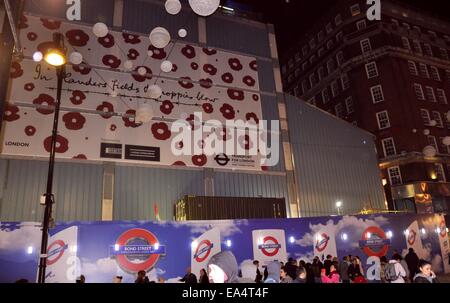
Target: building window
334 89
406 26
425 116
417 29
377 94
365 46
291 63
349 105
440 176
417 47
339 36
395 177
412 68
355 10
321 73
405 43
340 111
430 94
419 91
428 50
435 73
325 96
345 81
290 78
383 120
360 25
432 142
304 86
312 79
330 44
329 28
424 70
338 20
340 58
321 52
442 98
312 59
297 57
371 70
437 117
320 35
297 72
432 34
444 54
388 147
331 66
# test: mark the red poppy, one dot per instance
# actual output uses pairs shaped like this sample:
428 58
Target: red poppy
174 67
179 163
207 108
227 111
206 83
62 144
133 54
235 94
227 78
111 61
77 37
166 107
47 101
30 130
139 78
253 116
157 53
29 87
107 41
248 80
80 157
194 66
11 113
131 39
254 65
245 142
51 24
185 82
23 22
129 121
107 110
77 97
113 127
255 97
161 131
209 51
188 51
235 64
32 36
16 70
74 120
82 68
199 160
210 69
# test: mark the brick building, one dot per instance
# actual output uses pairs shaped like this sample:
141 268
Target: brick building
391 78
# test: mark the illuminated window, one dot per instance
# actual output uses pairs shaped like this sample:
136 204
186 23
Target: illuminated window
355 10
435 73
395 177
413 68
419 91
437 117
425 116
442 98
360 25
430 94
388 147
371 70
383 120
365 46
377 94
424 70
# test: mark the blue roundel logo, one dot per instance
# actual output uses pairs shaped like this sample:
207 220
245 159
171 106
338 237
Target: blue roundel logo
322 242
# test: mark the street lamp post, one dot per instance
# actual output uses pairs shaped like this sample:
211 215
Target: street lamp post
338 206
55 57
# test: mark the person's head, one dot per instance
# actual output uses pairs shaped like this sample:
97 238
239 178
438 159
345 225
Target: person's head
411 250
383 259
302 263
256 263
118 279
335 259
282 264
291 260
301 273
345 258
425 267
161 280
334 266
397 257
223 268
202 272
329 257
81 279
354 261
283 273
141 274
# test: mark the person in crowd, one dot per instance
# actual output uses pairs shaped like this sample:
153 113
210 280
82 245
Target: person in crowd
333 277
361 269
285 278
354 270
412 262
223 268
282 264
425 274
273 272
383 262
117 279
309 274
142 277
189 277
343 270
248 273
203 277
81 279
302 263
300 276
161 280
291 268
21 281
400 272
327 264
259 276
317 268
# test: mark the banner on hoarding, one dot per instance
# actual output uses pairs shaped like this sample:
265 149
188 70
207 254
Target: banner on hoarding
269 245
203 248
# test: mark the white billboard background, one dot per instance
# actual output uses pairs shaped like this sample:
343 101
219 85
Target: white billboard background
413 239
201 247
325 242
269 237
444 242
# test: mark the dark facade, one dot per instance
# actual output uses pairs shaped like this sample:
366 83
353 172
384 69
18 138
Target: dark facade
389 77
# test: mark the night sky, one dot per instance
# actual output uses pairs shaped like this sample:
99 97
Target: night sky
296 17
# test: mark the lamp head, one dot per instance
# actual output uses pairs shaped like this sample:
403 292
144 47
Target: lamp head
56 55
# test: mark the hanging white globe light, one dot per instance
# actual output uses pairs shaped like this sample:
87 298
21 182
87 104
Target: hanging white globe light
414 130
128 65
154 91
173 7
204 7
142 71
166 66
182 32
429 151
433 123
144 113
37 56
76 58
100 30
426 132
446 141
159 37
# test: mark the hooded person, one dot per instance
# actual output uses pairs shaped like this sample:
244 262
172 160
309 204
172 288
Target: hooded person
223 268
273 272
248 273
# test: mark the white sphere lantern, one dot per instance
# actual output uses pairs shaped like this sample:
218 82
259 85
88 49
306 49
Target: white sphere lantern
429 151
144 113
128 65
446 141
100 30
414 130
159 37
154 91
426 132
204 7
76 58
142 71
38 56
182 33
173 7
433 123
166 66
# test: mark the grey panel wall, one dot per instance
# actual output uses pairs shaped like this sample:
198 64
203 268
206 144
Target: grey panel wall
91 11
77 190
266 76
333 161
142 17
137 189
